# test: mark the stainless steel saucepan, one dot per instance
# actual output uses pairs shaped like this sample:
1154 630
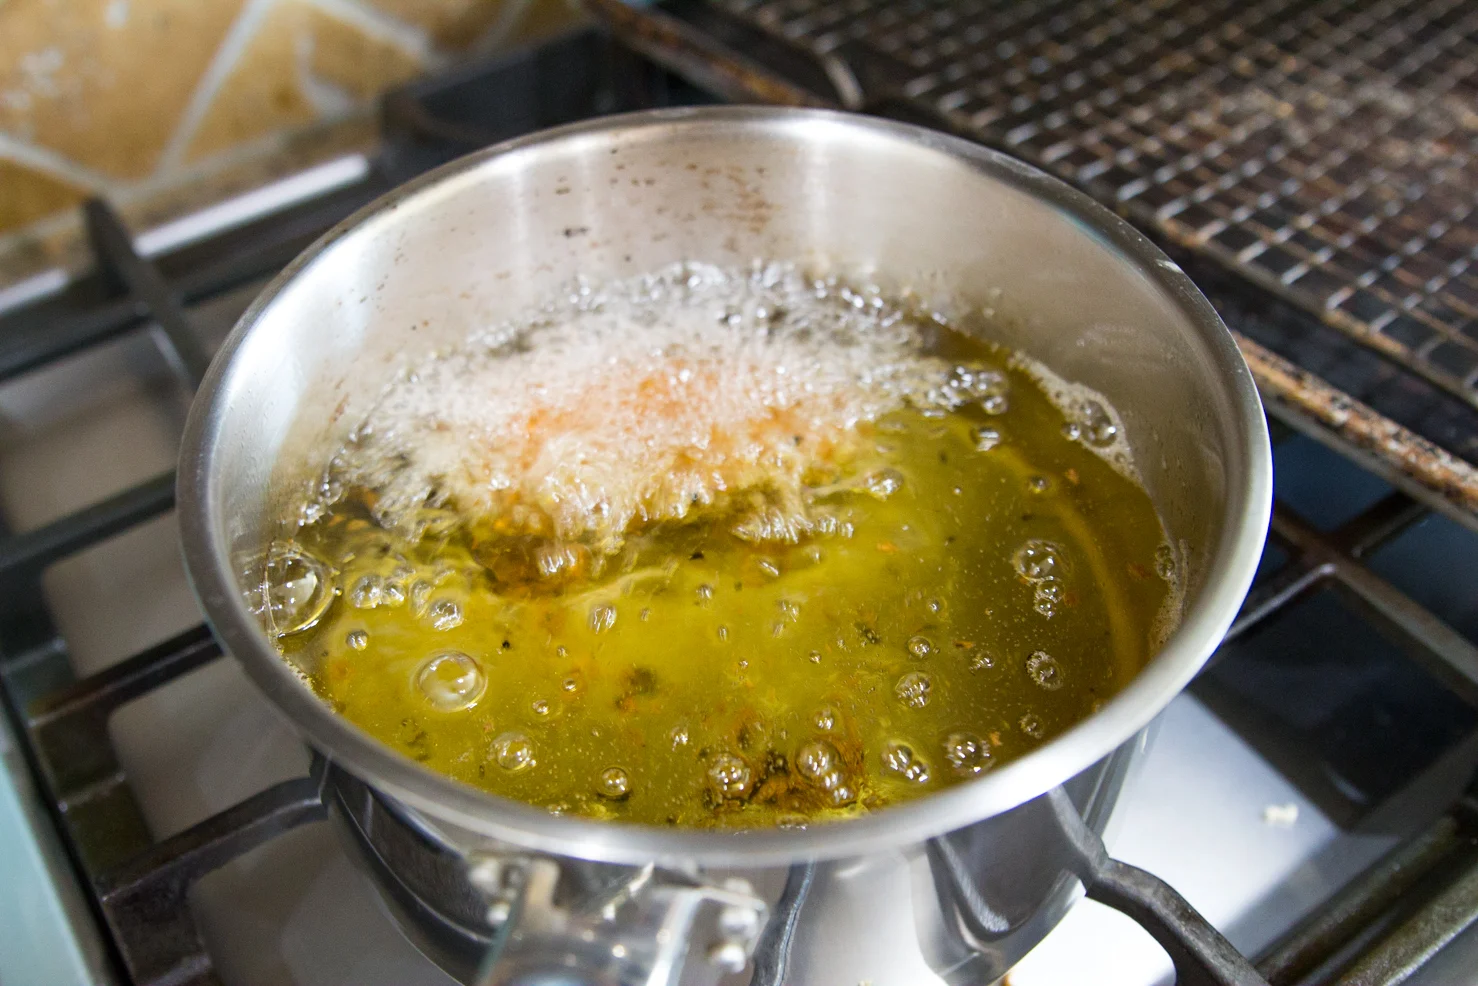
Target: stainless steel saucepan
954 887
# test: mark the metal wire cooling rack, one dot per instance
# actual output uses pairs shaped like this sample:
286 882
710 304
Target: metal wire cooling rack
1325 151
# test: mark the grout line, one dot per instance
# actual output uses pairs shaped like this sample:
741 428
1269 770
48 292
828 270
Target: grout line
244 155
412 40
493 37
227 55
41 230
53 164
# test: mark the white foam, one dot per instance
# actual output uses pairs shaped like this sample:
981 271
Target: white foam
1071 398
640 400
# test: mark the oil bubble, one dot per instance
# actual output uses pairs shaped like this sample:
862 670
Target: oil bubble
995 404
540 707
602 618
826 719
559 560
1031 724
1072 431
816 760
814 657
704 593
297 589
435 525
1038 485
981 661
729 776
613 783
513 752
1165 566
820 764
986 439
920 646
444 614
1037 559
367 592
986 381
1049 595
569 684
357 640
966 753
392 593
966 383
901 759
1044 670
883 483
451 681
1098 428
420 595
678 737
913 689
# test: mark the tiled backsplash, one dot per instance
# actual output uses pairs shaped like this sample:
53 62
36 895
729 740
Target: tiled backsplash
136 98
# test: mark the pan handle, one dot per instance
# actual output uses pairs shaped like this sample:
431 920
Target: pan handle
1200 953
1202 956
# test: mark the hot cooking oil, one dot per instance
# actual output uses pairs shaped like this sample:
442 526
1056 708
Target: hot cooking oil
823 616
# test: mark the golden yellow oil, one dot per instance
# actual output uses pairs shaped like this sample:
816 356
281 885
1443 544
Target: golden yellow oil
982 582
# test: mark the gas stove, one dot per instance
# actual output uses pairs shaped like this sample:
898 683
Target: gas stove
1311 794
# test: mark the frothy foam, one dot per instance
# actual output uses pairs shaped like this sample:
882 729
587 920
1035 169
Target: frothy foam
641 401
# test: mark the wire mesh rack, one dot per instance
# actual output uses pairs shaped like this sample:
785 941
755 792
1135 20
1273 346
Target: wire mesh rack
1324 151
1327 150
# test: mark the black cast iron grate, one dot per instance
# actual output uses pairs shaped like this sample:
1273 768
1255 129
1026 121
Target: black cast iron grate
138 885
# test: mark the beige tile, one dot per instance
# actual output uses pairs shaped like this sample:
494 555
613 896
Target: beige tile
27 195
451 24
297 50
64 243
104 81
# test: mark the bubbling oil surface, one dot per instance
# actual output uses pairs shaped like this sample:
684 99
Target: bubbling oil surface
917 582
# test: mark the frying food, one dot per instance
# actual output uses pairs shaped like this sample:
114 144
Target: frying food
723 547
